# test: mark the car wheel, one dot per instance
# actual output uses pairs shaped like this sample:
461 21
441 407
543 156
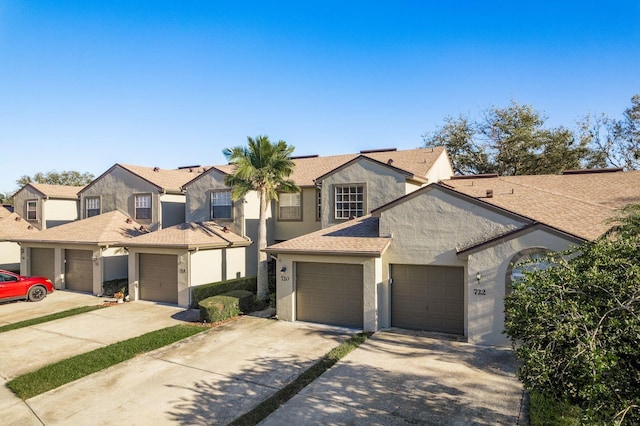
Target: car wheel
37 293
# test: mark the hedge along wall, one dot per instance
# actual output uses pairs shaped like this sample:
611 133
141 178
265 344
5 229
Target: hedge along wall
204 291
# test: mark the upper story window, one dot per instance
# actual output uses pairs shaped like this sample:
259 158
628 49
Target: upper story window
289 206
32 210
349 201
318 204
221 205
92 205
143 206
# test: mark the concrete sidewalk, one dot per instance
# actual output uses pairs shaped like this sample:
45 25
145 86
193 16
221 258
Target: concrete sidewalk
210 378
399 378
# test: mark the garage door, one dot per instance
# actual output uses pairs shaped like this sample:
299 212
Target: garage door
329 293
158 277
42 263
78 270
428 298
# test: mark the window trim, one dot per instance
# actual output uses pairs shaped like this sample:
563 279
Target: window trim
214 191
86 205
35 210
318 204
300 205
135 206
349 185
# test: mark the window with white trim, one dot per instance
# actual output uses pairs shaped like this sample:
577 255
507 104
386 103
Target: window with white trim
92 205
349 201
289 206
143 206
221 205
32 210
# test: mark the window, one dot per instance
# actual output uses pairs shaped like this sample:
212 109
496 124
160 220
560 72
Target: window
318 203
143 206
92 206
32 210
528 260
289 206
349 201
221 205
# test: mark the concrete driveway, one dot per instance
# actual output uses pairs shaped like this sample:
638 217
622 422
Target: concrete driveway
59 300
210 378
399 378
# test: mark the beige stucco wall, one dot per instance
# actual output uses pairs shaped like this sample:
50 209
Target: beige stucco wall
383 184
372 281
59 212
9 255
117 190
236 263
486 309
287 229
206 267
441 169
20 205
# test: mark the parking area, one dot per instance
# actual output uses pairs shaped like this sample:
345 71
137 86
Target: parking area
59 300
399 377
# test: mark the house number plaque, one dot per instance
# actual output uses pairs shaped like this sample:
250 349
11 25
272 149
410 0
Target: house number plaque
284 278
480 291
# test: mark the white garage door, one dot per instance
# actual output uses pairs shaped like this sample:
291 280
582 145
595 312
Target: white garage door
428 298
329 293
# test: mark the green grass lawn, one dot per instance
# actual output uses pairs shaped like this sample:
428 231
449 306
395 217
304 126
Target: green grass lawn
65 371
271 404
544 411
47 318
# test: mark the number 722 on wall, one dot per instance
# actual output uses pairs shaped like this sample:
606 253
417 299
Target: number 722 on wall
480 291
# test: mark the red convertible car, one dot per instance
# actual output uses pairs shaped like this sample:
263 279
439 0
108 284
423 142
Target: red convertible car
16 287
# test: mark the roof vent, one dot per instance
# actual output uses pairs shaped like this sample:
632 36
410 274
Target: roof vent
489 193
592 171
143 228
29 227
371 151
156 169
390 161
18 219
128 220
300 157
225 229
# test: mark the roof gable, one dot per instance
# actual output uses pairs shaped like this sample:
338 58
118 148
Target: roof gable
168 180
361 158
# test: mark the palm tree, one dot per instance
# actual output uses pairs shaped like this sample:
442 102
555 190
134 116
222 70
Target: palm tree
264 167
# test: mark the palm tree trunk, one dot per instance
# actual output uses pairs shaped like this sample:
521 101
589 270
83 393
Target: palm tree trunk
263 271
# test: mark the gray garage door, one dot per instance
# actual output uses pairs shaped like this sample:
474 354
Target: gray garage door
158 277
78 270
428 298
329 293
42 263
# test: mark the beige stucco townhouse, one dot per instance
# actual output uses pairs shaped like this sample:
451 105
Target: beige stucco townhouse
12 225
45 206
442 258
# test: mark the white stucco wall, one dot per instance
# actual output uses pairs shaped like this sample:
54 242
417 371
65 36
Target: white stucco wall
60 211
206 267
9 255
427 228
236 263
441 169
486 306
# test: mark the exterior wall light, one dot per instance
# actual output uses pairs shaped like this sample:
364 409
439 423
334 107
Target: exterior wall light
478 276
283 270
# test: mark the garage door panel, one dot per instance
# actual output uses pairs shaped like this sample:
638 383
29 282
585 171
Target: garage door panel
329 293
78 270
158 277
428 298
42 263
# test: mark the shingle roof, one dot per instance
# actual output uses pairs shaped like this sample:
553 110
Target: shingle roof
107 228
12 225
417 162
57 191
190 235
580 204
355 237
168 179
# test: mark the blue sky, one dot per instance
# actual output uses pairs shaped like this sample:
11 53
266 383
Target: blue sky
86 84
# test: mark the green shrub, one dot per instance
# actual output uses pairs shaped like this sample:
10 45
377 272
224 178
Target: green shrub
201 292
111 287
223 306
